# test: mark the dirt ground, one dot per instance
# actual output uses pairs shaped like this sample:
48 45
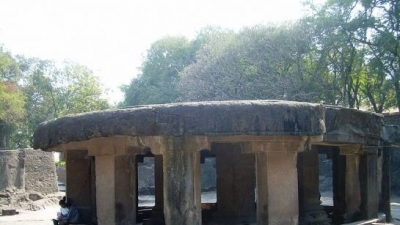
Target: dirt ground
44 216
25 217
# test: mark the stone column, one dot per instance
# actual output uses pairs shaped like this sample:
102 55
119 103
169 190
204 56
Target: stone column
369 182
386 184
262 189
93 188
235 184
105 189
276 174
116 175
339 185
182 180
125 190
352 182
158 209
311 211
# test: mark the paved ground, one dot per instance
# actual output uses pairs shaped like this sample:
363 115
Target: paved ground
44 216
40 217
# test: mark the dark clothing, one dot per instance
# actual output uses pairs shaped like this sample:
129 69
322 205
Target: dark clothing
73 215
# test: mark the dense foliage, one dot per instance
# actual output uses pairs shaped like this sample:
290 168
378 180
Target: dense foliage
34 90
342 53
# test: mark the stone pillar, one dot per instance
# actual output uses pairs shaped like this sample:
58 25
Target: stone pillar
235 184
311 211
158 209
352 182
105 189
79 185
125 190
276 174
263 210
369 182
116 185
114 194
93 188
386 184
339 185
182 180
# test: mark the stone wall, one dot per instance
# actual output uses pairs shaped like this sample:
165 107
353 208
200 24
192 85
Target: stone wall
61 174
395 170
393 119
29 170
12 170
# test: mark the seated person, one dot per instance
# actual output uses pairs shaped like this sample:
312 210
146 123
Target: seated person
71 218
73 214
63 213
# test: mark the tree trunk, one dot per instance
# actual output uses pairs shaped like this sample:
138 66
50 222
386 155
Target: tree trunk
3 135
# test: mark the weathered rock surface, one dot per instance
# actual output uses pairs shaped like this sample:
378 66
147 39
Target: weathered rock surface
28 170
12 170
391 135
336 124
185 119
19 199
391 130
346 125
26 177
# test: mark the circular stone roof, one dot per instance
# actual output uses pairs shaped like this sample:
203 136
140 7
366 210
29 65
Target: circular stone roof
217 118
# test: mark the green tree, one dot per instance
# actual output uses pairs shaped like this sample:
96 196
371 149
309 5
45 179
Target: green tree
11 112
262 62
80 90
53 92
340 56
359 45
9 68
33 90
11 98
376 88
159 76
198 80
385 41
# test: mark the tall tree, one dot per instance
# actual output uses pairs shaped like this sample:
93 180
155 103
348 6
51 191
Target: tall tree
53 92
385 39
160 72
11 98
341 56
376 88
33 90
80 91
262 62
9 67
366 53
11 112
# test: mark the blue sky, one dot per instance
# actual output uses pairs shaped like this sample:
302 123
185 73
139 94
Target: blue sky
111 36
